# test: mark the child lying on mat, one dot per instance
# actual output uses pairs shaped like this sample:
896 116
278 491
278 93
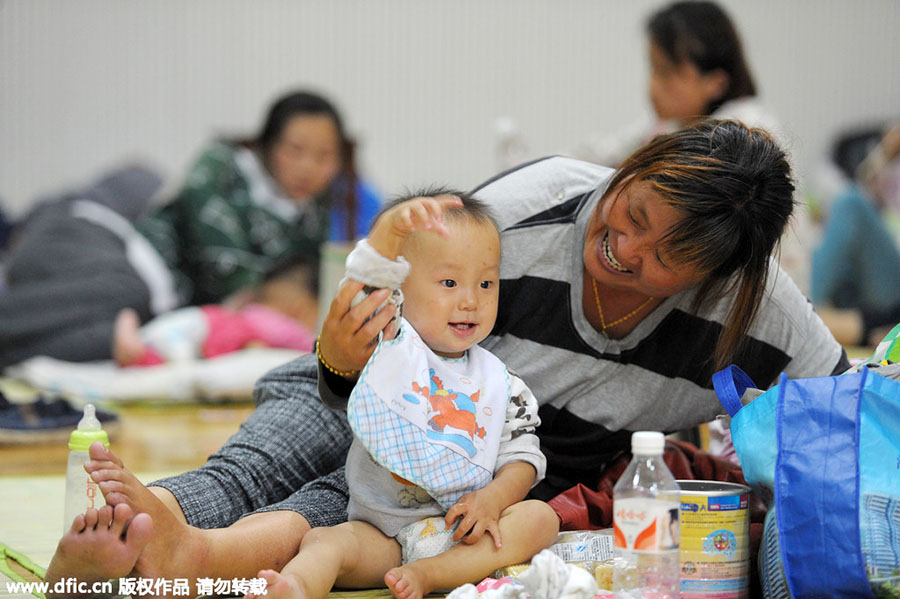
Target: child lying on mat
432 463
281 312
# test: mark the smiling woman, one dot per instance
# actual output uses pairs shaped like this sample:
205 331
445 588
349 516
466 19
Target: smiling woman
630 227
682 214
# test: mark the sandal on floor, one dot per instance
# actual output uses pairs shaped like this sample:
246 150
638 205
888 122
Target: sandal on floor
44 421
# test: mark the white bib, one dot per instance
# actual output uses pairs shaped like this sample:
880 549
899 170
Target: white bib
432 421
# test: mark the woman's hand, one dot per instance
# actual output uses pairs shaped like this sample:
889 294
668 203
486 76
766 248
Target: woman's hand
347 338
478 512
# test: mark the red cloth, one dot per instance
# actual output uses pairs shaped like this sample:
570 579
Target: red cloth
150 357
582 508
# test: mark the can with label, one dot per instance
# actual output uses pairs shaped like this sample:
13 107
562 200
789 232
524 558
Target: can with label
715 540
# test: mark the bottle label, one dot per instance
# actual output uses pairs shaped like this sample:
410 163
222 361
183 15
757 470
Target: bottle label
92 490
645 524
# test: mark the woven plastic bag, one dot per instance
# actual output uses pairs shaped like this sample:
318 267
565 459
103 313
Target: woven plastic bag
824 453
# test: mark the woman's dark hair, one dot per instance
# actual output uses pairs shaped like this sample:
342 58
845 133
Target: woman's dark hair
702 33
733 186
304 103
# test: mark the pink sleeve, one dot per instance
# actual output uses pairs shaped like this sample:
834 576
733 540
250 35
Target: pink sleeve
228 331
277 330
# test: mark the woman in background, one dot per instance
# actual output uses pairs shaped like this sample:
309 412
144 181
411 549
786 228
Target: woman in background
856 268
242 207
697 70
246 203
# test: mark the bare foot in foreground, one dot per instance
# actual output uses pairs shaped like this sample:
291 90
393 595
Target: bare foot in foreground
175 550
127 345
408 582
101 544
278 586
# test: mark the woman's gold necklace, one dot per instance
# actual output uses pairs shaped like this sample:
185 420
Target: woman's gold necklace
603 324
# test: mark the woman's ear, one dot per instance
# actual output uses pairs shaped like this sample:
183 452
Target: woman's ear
715 84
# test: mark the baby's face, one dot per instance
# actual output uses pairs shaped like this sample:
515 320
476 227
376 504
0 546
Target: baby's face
450 295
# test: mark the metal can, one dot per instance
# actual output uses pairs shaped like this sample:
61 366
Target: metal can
715 540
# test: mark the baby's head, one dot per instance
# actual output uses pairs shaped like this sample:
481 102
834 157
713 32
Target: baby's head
291 287
450 295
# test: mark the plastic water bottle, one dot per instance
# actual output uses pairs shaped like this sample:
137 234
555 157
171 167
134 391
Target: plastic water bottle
646 502
81 490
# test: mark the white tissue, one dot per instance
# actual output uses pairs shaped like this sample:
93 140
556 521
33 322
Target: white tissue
507 591
548 577
551 578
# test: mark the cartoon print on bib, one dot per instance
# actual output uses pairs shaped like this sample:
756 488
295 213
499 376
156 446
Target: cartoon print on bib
452 410
439 428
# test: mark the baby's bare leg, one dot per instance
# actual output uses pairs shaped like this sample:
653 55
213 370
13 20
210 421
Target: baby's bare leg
350 555
525 529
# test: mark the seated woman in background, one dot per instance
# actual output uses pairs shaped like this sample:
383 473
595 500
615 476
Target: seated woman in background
856 268
242 207
246 203
697 70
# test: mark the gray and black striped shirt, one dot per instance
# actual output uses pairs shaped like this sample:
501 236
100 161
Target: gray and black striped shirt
594 391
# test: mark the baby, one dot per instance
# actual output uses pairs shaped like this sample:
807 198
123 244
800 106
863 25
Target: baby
281 312
444 447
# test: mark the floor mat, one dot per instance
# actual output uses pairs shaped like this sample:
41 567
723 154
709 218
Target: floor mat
32 521
32 524
223 378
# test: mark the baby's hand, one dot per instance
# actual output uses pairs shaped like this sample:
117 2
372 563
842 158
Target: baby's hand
477 513
418 214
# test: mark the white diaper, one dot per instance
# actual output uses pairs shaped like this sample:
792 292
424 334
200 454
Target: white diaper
425 538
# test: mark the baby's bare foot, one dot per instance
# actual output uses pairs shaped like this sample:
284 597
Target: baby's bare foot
128 348
408 582
278 586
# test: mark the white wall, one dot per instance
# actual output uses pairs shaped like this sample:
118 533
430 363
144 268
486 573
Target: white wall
85 85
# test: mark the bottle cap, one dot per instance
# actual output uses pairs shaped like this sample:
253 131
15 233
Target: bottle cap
88 431
648 443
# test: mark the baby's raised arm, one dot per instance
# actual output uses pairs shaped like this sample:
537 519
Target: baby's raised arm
349 330
397 223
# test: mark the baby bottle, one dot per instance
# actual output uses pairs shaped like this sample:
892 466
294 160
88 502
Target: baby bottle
81 490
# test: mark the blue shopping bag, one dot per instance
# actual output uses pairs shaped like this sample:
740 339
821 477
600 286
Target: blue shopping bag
824 453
